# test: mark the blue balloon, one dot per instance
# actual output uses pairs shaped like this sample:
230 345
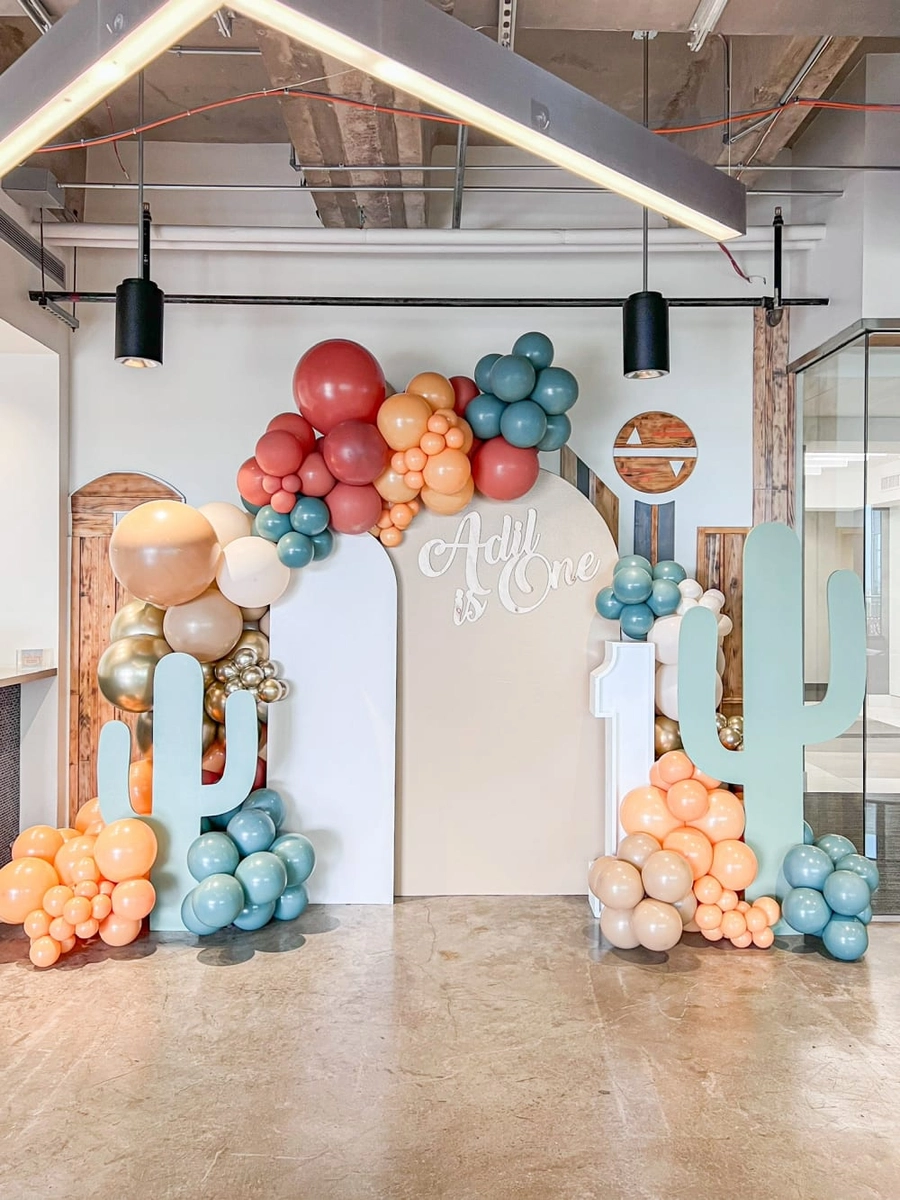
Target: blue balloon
559 430
512 378
807 866
636 621
866 915
608 605
323 544
269 801
664 598
861 866
309 515
523 423
217 900
220 820
251 830
483 413
809 837
670 570
555 390
483 371
536 347
212 854
291 903
298 855
295 550
633 560
845 938
270 524
835 845
254 916
205 825
189 918
263 877
847 893
252 509
805 910
632 585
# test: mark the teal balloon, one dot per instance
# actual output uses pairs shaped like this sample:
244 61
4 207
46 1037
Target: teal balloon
189 918
263 877
559 430
217 900
809 837
636 621
254 916
845 938
251 830
298 855
205 825
523 423
270 524
807 866
632 585
483 414
212 854
866 915
483 373
220 820
295 550
252 509
536 347
861 866
269 801
670 570
633 560
805 910
555 390
846 893
323 544
608 605
291 903
664 598
512 378
309 515
835 845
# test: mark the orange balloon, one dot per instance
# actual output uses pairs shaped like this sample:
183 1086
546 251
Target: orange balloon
391 485
93 829
438 424
763 939
61 929
742 906
644 811
70 853
728 900
23 883
140 783
712 935
770 906
733 924
101 906
467 434
415 480
447 506
399 463
434 388
708 890
724 818
106 887
68 944
134 898
708 916
39 841
687 799
76 910
37 924
707 780
88 812
402 419
743 940
455 439
432 443
67 834
85 870
87 929
734 864
56 898
124 850
213 760
447 472
416 458
87 887
44 951
118 931
756 919
401 515
675 766
656 780
692 845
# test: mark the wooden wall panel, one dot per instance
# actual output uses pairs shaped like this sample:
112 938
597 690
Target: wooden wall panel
580 475
774 421
720 564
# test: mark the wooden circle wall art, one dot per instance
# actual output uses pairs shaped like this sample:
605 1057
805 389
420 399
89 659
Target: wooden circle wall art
655 452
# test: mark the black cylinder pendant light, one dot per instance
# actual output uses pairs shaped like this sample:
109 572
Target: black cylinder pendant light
645 314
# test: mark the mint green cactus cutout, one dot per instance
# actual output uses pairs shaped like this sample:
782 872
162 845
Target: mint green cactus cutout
180 798
777 723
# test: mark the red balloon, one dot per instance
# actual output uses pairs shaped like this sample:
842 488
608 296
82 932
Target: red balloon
291 483
464 389
271 484
315 478
338 381
210 776
298 426
353 509
279 453
283 501
505 472
259 779
249 482
355 452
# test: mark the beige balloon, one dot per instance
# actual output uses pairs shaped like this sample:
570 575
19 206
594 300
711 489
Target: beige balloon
254 614
617 927
657 926
164 552
636 848
264 624
598 866
135 619
619 886
687 906
207 627
125 671
251 574
667 876
229 521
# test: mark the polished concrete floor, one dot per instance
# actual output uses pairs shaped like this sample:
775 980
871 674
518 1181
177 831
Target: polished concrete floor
468 1049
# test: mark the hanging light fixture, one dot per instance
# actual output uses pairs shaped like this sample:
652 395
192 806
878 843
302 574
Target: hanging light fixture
645 314
139 302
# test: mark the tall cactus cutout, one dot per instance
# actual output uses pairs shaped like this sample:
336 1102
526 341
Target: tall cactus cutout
777 723
180 798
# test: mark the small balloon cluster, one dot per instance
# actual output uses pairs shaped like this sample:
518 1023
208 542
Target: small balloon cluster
681 865
299 536
71 885
831 890
248 668
731 731
247 872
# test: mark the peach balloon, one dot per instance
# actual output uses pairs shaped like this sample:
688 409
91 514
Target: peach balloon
106 887
432 443
742 906
455 439
85 870
447 472
416 458
687 799
770 906
38 841
764 938
125 849
448 506
708 890
87 887
94 828
434 388
438 424
23 883
60 929
391 485
707 780
391 537
708 916
415 480
598 866
87 929
70 853
164 552
756 919
401 515
468 435
712 935
67 833
734 864
56 898
88 812
76 910
68 944
644 811
118 931
402 420
692 845
140 784
656 780
208 626
675 766
667 876
656 925
724 818
134 898
728 900
636 848
743 940
619 885
101 906
37 924
733 924
44 951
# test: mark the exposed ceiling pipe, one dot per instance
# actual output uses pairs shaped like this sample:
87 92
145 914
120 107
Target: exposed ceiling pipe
230 51
815 54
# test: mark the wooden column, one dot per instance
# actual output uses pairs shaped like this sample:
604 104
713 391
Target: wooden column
603 498
774 421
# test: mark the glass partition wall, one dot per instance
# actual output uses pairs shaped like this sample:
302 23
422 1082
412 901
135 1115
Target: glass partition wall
849 408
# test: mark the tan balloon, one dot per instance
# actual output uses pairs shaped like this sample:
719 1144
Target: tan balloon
657 926
636 848
436 389
390 485
402 419
254 614
617 927
620 885
687 906
207 627
229 521
135 619
598 866
164 552
667 876
448 506
125 671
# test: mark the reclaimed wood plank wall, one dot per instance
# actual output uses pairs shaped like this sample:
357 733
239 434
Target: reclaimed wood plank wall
580 475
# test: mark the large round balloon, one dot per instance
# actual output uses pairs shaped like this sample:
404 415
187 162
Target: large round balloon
435 388
298 426
734 864
164 552
251 573
512 378
667 876
279 453
228 521
505 472
617 927
336 381
448 506
484 413
355 452
403 419
136 619
536 347
126 668
125 849
447 472
464 390
207 627
353 509
657 925
523 423
22 885
555 390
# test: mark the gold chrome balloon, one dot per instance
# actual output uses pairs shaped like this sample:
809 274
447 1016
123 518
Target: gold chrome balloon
721 721
143 732
209 673
255 640
135 619
245 657
730 738
126 668
666 736
210 732
262 711
270 690
215 702
252 677
232 686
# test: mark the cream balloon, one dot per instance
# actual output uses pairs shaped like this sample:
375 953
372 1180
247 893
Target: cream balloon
136 619
667 690
667 876
720 661
687 906
251 574
713 600
657 926
264 624
617 927
598 866
664 636
619 885
229 521
685 606
725 626
690 589
207 627
636 848
254 614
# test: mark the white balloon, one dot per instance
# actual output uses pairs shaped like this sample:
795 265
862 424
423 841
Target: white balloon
684 606
667 690
229 521
720 691
720 661
725 625
251 574
720 596
712 601
690 589
664 636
